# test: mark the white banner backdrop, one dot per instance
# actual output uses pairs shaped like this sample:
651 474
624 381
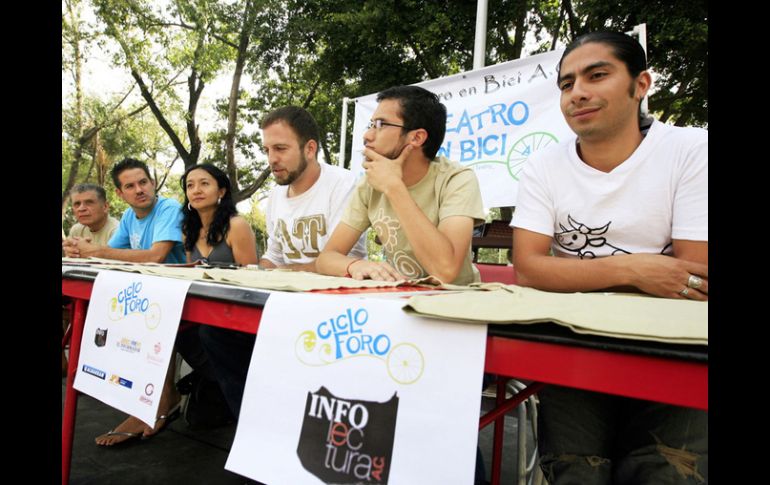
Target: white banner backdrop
496 118
128 339
353 390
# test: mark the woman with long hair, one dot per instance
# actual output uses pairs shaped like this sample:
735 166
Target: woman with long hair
214 232
212 229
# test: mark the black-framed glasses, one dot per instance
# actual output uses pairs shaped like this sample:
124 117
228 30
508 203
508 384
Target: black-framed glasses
377 124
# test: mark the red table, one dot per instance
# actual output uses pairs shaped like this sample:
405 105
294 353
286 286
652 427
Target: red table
652 377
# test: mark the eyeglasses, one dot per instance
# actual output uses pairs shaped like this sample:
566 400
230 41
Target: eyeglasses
377 124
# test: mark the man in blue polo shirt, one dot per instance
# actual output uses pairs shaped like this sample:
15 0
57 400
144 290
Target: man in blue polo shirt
150 229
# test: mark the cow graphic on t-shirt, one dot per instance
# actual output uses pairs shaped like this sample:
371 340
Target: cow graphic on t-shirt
581 237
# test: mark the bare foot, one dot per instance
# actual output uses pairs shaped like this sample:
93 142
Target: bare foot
165 410
130 428
134 428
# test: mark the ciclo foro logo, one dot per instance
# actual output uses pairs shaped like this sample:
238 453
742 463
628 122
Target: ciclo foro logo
344 336
130 301
149 389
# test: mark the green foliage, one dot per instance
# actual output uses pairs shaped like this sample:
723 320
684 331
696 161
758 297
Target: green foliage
313 53
256 219
117 205
493 256
677 45
118 135
172 189
374 248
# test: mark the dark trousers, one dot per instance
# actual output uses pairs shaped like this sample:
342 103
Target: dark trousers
229 353
591 438
188 344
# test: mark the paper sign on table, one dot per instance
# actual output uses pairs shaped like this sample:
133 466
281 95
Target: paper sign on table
353 390
128 339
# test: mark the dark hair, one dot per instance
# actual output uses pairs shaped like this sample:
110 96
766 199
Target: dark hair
298 119
420 109
80 188
627 49
191 223
127 164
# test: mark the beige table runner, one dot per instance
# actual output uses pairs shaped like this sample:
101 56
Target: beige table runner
280 280
630 316
622 315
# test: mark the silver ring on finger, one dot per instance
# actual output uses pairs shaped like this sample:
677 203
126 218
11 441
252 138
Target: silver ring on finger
685 291
694 281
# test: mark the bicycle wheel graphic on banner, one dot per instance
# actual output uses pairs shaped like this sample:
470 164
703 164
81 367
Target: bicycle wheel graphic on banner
405 363
526 146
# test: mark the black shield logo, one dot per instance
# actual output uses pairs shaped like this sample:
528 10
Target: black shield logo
100 339
347 441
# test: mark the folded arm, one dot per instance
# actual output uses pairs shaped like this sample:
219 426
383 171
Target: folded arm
654 274
156 254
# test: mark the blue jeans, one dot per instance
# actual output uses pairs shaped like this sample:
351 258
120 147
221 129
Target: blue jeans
229 353
592 438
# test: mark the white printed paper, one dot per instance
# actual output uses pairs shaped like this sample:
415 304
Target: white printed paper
497 116
353 390
128 340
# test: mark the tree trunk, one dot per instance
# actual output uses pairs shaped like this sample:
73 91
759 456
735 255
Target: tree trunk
232 112
195 87
164 124
147 95
432 74
521 32
327 154
555 35
78 155
249 191
94 161
311 94
571 19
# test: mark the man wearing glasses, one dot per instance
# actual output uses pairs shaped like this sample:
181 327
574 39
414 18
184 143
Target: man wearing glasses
422 207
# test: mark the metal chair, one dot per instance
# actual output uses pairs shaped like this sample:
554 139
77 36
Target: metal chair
528 471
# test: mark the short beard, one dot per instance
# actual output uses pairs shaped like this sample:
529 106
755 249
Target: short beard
294 175
393 154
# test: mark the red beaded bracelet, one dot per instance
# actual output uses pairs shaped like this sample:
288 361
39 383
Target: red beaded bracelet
347 270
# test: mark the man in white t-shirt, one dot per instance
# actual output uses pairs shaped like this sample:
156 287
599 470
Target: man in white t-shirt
301 214
310 197
622 206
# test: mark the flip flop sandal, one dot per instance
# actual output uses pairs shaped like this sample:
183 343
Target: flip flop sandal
129 435
170 417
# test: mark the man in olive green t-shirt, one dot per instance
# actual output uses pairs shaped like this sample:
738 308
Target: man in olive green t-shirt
422 207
